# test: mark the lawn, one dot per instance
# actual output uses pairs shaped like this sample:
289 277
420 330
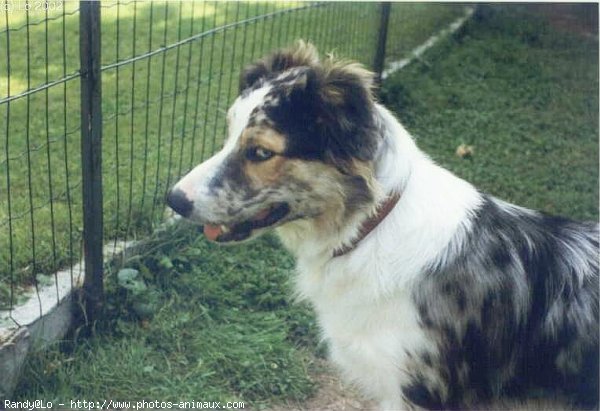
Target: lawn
162 113
524 94
191 320
198 322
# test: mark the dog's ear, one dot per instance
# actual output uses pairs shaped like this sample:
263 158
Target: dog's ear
305 87
347 111
252 74
301 54
330 109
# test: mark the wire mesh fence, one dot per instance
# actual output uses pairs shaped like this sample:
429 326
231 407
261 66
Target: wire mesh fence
40 179
169 70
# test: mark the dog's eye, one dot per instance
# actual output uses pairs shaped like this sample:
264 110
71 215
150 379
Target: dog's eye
258 154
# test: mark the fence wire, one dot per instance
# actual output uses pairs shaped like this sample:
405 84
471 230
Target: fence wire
169 71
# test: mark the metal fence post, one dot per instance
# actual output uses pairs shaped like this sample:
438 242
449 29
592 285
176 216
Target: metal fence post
91 156
379 60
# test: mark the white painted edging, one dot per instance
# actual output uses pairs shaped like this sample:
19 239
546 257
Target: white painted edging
43 318
417 52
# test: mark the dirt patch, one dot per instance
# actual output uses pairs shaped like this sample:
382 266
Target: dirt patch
332 394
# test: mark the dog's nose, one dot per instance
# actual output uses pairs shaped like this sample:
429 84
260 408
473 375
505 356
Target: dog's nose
178 201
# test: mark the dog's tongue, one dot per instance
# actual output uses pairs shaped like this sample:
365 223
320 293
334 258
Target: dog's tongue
212 231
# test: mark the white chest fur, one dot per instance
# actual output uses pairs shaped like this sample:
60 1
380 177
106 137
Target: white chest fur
368 337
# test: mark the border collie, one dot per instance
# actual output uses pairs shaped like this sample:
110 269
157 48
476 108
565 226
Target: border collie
430 293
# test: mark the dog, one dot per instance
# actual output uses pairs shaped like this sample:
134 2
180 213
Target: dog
430 293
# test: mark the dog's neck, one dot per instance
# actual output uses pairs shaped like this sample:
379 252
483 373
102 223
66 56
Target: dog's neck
431 197
428 222
317 239
370 224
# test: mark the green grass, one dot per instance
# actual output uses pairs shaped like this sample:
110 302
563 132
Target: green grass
162 114
202 321
524 95
420 21
211 323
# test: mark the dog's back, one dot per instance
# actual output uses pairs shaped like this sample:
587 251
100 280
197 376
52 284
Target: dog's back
515 311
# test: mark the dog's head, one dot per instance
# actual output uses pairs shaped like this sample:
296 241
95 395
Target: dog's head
301 139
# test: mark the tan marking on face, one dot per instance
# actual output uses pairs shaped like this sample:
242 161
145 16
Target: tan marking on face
264 173
264 137
317 189
342 195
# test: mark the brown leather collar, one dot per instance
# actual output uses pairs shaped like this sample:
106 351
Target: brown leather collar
369 225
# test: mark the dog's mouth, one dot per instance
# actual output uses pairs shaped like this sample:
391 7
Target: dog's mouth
267 217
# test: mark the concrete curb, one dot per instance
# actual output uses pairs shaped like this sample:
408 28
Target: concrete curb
418 51
44 318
